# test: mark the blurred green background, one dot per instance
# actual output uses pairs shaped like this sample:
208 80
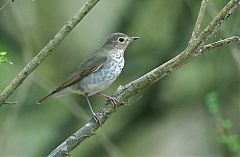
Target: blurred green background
169 119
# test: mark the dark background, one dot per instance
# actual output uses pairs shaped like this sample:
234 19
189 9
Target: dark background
171 118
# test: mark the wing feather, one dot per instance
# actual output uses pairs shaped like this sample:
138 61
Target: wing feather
91 64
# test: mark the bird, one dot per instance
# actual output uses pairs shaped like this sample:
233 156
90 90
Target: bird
96 72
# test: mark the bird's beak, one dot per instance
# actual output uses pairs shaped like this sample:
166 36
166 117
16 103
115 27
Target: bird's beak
134 38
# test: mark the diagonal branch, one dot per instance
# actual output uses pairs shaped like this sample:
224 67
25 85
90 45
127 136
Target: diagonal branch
125 92
6 4
37 60
220 43
198 23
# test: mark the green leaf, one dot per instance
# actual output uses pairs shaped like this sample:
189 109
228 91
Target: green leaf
212 102
3 53
5 60
232 142
227 124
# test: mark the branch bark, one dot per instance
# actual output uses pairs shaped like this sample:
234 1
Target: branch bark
6 4
37 60
123 93
198 23
220 43
9 103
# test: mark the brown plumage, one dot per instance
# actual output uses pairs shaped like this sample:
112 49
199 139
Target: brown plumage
92 63
98 71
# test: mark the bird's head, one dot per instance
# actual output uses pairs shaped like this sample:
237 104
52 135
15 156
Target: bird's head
119 41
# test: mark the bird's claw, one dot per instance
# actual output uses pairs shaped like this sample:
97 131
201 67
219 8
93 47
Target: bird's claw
114 101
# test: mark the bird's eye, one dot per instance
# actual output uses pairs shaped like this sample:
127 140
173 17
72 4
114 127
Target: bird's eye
121 39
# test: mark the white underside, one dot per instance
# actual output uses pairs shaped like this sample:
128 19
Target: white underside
92 89
93 83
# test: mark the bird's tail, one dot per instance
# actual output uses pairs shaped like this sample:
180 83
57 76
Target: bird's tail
55 93
44 98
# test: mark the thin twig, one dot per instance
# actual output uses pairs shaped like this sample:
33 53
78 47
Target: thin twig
225 31
198 23
220 43
6 4
9 103
37 60
136 86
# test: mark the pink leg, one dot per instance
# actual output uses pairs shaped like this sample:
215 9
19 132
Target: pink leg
111 99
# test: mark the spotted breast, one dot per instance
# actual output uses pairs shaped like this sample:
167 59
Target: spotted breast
102 77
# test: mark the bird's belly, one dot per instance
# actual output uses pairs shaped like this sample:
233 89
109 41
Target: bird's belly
91 88
99 80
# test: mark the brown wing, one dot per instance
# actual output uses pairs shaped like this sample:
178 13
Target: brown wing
91 64
84 69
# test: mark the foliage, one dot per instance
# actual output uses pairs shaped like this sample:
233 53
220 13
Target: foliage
4 59
224 125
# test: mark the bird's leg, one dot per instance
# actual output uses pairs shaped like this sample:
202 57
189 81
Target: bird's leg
95 116
111 99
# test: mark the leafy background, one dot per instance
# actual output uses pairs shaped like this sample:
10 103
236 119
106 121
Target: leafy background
175 117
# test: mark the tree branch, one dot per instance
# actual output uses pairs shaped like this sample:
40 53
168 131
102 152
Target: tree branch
37 60
125 92
9 103
198 23
220 43
5 5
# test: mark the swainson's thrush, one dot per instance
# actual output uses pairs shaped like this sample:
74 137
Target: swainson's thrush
98 71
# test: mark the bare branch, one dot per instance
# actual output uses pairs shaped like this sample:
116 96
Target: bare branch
10 103
36 61
5 5
125 92
220 43
198 23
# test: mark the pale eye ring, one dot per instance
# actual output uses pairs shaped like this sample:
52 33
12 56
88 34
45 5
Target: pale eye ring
121 39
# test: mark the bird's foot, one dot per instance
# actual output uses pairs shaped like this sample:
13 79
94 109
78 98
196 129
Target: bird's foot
114 101
97 119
